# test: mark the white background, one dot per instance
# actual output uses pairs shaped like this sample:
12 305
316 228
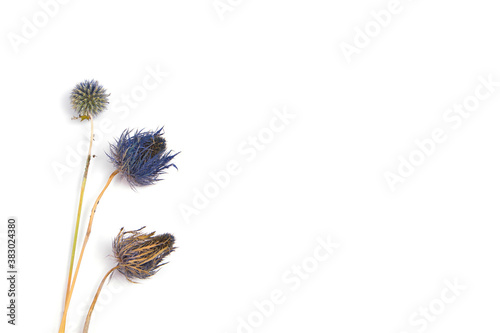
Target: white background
322 175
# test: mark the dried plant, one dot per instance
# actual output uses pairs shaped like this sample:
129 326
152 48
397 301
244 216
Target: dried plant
88 99
138 256
141 157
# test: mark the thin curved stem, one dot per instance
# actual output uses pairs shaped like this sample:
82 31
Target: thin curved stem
89 229
78 216
91 309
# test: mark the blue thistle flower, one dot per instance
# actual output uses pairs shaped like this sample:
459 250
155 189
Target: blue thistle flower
88 98
142 156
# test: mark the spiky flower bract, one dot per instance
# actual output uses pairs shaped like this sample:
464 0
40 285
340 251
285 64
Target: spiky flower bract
141 156
88 98
140 255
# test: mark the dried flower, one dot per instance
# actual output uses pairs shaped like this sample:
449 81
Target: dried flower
139 255
141 157
88 98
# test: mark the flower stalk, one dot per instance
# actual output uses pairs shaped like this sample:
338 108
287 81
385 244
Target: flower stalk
85 241
78 215
98 292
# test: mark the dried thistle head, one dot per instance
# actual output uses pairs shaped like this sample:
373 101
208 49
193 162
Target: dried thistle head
88 98
141 156
139 255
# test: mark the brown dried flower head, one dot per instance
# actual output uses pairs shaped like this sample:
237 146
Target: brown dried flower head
140 255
